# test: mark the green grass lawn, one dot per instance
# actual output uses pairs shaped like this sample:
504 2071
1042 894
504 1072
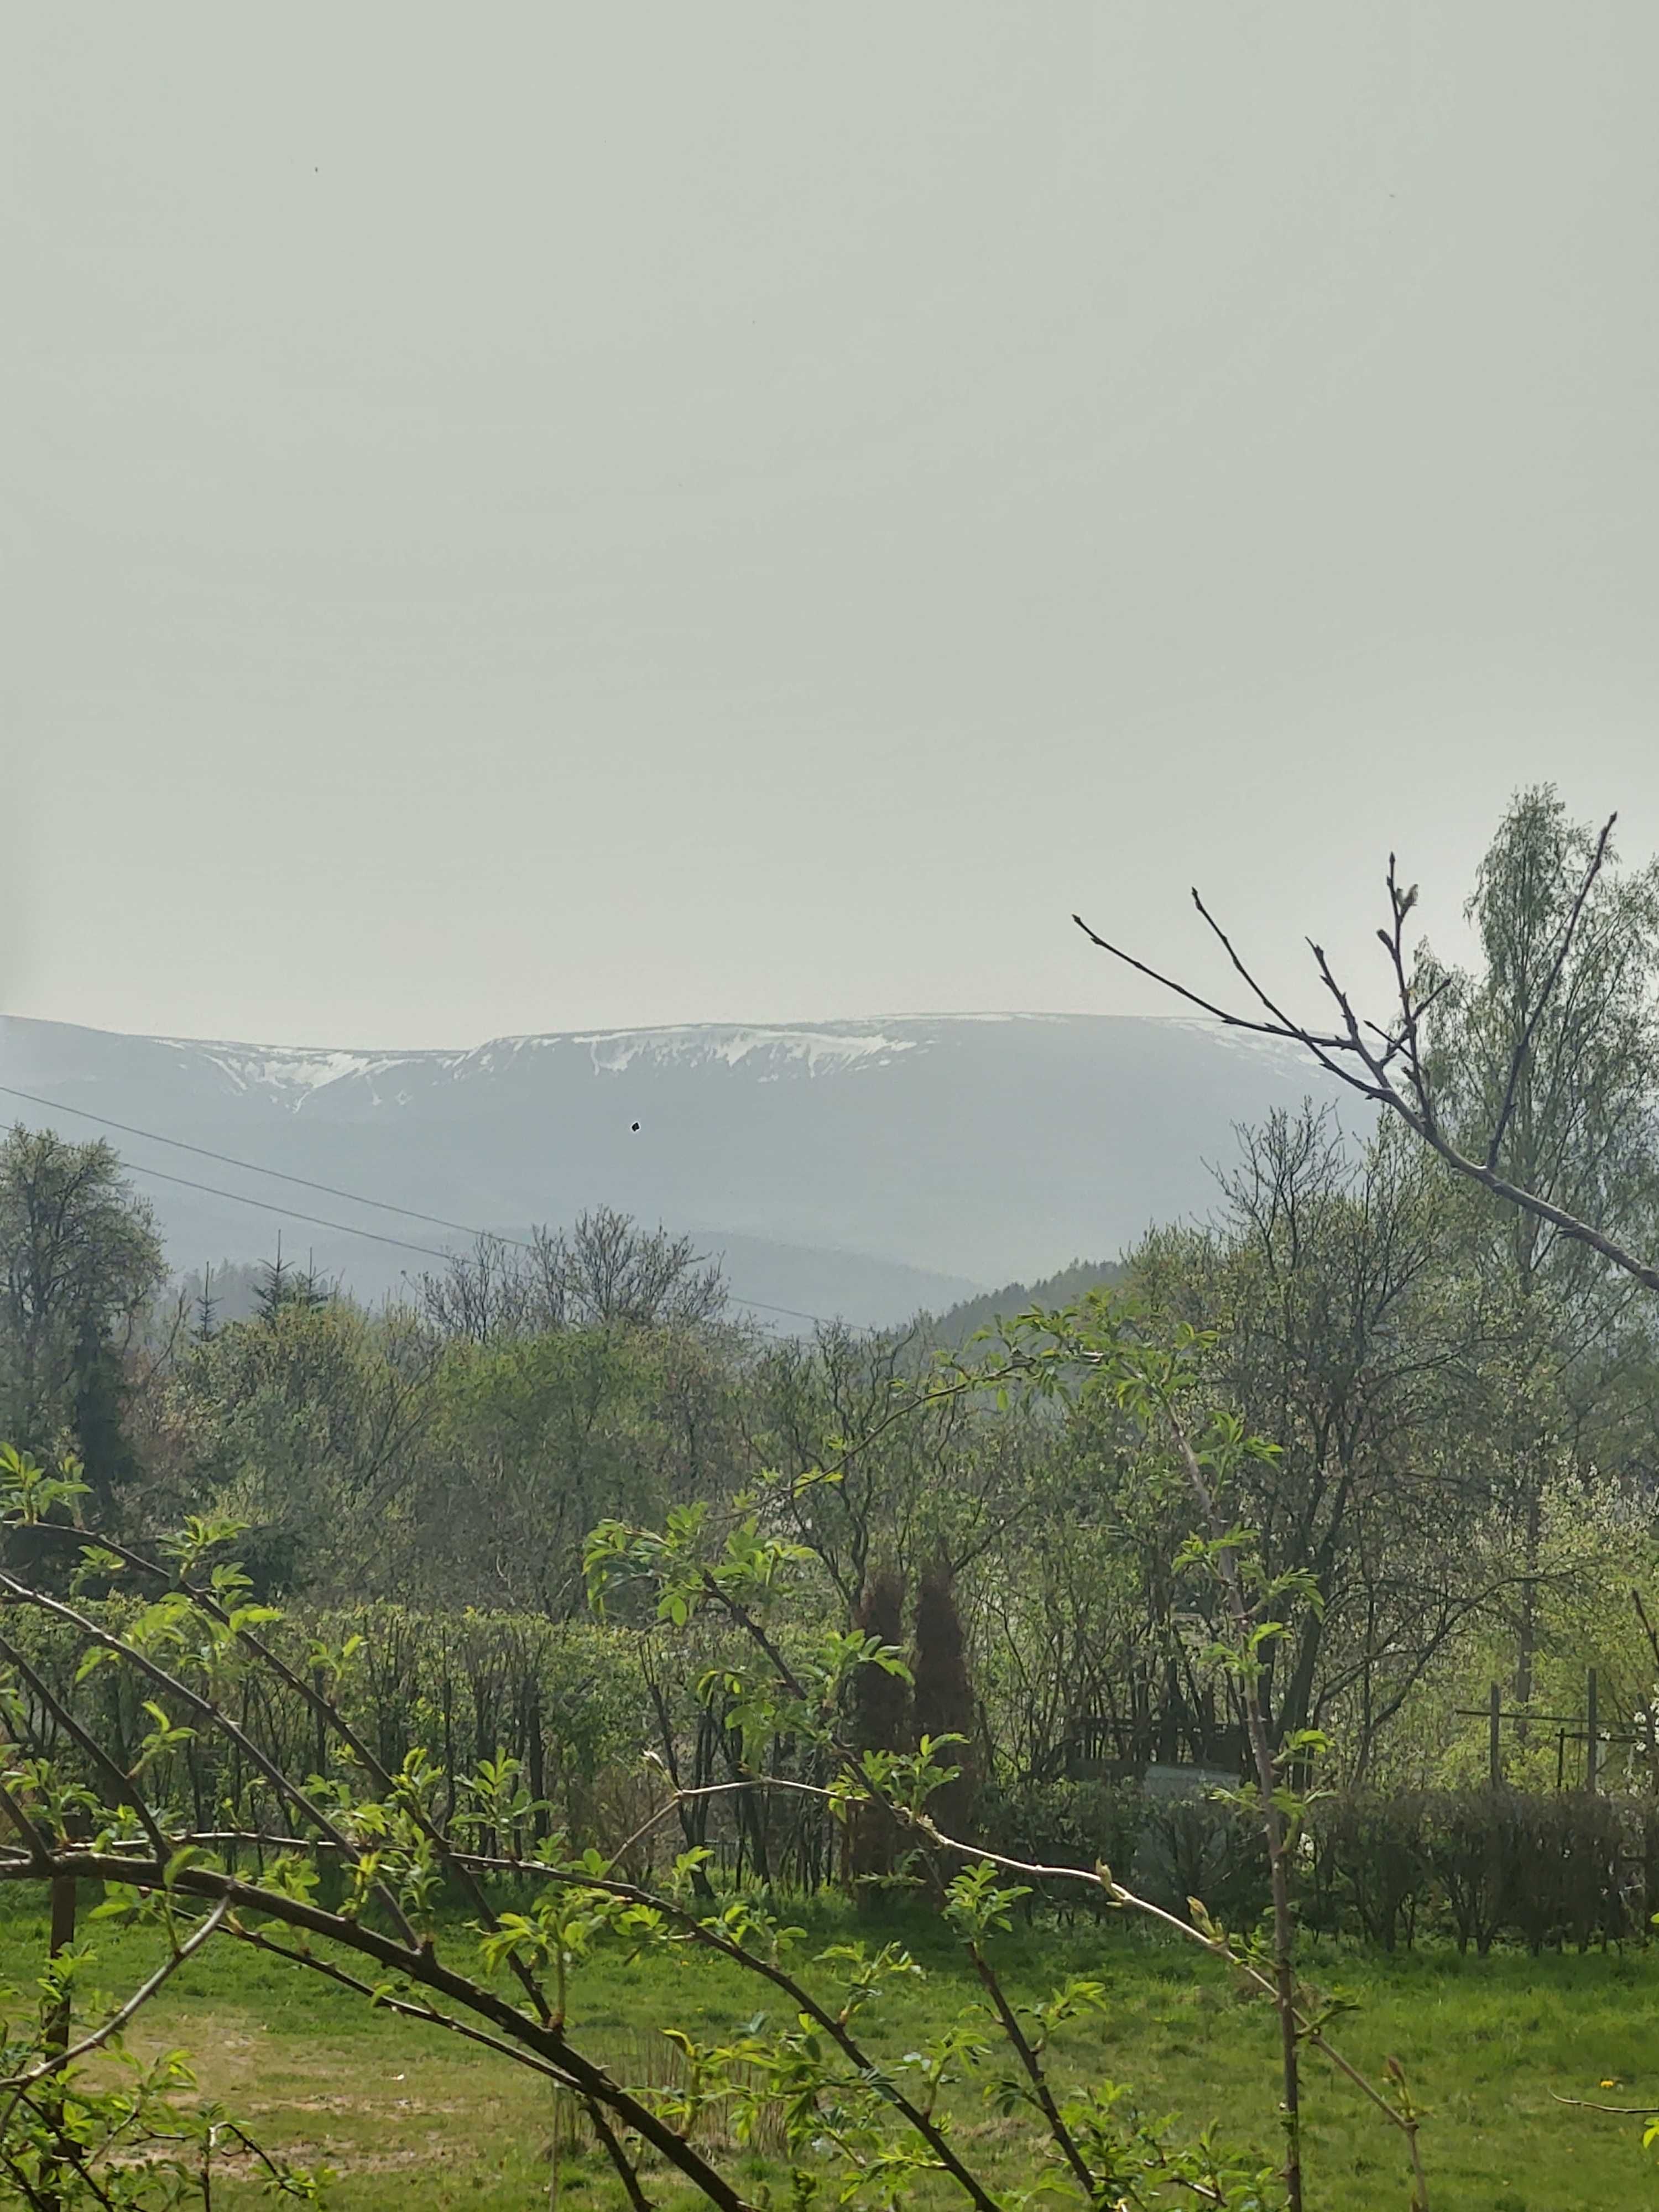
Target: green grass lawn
409 2118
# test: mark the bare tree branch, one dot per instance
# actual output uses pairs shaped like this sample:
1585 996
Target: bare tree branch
1394 1073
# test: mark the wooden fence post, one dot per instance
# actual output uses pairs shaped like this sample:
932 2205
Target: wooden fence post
63 1888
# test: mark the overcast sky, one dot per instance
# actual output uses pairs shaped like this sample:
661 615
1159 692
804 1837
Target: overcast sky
529 517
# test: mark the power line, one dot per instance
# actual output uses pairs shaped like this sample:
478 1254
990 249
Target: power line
329 1189
253 1166
265 1205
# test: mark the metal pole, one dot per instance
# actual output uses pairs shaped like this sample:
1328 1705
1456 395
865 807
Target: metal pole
1589 1732
1494 1745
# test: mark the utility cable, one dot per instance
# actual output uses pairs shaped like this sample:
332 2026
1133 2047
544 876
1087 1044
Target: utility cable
329 1189
280 1174
265 1205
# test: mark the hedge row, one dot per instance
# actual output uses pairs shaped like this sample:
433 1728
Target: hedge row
1483 1865
573 1703
1480 1866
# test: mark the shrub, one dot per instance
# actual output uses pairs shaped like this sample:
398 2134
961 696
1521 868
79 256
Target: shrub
1203 1847
1567 1867
1372 1858
1063 1824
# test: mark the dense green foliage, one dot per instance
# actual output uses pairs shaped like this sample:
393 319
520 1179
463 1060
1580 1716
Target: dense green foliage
1469 1509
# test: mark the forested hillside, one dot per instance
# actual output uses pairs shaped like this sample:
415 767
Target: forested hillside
961 1322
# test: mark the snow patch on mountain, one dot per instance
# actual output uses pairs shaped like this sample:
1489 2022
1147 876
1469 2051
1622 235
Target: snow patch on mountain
815 1050
293 1073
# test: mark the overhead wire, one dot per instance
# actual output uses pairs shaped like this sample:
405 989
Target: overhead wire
289 1212
329 1189
255 1167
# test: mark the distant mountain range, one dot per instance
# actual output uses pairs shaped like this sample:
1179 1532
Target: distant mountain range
862 1169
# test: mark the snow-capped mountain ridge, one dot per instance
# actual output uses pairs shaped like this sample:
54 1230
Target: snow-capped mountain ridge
294 1074
862 1167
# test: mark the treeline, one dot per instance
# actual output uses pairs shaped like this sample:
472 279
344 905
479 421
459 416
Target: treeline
1463 1404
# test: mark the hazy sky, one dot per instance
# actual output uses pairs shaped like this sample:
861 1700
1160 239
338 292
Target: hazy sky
527 517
